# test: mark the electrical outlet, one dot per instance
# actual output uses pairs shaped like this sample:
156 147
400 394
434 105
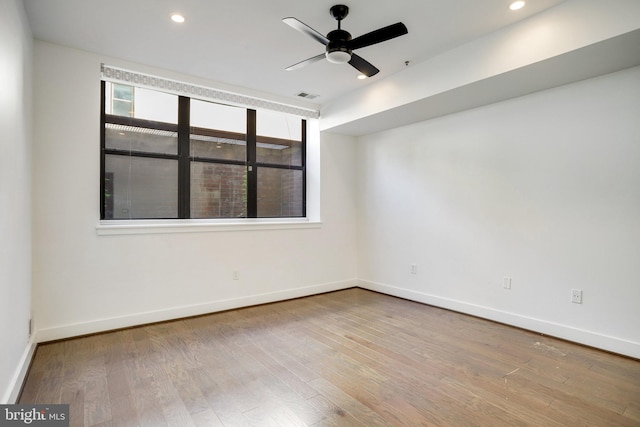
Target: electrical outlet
236 275
506 283
414 268
576 296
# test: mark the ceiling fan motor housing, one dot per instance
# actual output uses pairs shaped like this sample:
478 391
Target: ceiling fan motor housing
337 50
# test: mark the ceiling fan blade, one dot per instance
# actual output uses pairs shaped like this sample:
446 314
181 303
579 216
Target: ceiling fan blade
380 35
306 62
363 65
304 28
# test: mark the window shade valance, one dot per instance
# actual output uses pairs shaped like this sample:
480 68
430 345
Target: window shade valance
119 75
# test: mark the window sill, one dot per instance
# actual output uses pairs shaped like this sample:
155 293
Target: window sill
125 227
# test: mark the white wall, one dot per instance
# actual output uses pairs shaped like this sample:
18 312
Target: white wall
85 282
15 197
543 189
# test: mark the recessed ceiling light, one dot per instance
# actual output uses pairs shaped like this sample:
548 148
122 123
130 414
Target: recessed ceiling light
361 77
176 17
516 5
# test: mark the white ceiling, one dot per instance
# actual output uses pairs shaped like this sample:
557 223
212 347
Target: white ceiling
245 43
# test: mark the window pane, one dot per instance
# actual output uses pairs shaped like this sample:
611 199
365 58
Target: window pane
132 138
210 115
214 147
157 106
122 99
127 101
279 152
218 191
278 125
122 108
122 92
218 131
280 193
138 187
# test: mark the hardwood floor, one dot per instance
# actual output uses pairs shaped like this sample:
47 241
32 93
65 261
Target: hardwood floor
351 357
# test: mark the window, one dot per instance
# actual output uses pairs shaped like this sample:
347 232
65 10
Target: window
177 157
122 100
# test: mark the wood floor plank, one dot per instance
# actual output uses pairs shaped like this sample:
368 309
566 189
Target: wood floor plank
280 372
632 411
123 413
348 404
72 393
346 358
97 405
207 418
596 416
272 413
290 352
332 415
147 405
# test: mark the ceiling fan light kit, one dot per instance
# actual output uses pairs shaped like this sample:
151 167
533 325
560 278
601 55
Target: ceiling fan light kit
339 45
338 56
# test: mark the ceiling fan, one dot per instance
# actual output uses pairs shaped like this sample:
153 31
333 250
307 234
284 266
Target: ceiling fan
340 45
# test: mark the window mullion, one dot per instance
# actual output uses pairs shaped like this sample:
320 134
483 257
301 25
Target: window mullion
102 151
303 148
184 162
252 172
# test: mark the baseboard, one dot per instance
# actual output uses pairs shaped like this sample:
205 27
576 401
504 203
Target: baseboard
589 338
12 393
102 325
